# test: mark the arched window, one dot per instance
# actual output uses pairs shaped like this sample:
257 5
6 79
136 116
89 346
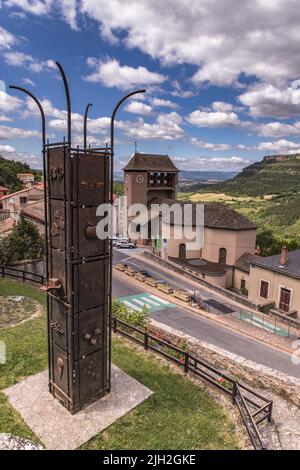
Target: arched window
222 255
182 251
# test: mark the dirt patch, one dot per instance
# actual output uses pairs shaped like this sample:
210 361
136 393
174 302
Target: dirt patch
17 309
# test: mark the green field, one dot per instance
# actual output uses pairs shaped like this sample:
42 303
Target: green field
179 414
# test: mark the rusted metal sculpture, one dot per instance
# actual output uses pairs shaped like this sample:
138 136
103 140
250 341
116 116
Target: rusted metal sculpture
79 264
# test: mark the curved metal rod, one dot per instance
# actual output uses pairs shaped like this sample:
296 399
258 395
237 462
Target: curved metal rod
24 90
38 103
112 142
67 91
85 125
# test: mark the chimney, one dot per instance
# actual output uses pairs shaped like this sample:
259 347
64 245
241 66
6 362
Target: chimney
283 256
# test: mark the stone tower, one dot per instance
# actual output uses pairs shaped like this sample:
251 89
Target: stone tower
148 176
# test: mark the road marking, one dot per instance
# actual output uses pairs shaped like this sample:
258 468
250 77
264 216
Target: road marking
139 301
146 304
150 301
159 299
132 306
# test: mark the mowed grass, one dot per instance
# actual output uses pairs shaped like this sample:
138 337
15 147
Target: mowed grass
179 415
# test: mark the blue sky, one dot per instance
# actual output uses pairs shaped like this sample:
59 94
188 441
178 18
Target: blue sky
222 77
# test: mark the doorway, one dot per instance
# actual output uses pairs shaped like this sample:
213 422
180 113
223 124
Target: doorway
182 251
285 299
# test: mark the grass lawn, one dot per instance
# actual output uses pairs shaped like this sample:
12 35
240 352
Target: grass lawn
179 415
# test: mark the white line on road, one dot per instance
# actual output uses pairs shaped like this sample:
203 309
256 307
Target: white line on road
132 306
151 301
144 304
159 300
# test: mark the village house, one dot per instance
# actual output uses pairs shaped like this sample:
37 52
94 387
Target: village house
26 178
276 279
13 204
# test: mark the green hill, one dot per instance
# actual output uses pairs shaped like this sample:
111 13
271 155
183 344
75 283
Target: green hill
277 174
9 170
267 193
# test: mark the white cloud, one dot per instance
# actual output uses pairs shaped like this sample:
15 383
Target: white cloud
44 7
275 129
223 38
110 73
203 118
210 145
179 92
7 149
19 59
7 133
37 7
268 100
68 9
4 118
232 163
281 145
222 163
6 39
166 127
222 106
137 107
28 81
159 102
9 103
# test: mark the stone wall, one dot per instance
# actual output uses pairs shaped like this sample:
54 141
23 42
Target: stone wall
239 368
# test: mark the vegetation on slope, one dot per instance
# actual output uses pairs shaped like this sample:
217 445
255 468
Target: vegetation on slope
272 175
267 193
9 170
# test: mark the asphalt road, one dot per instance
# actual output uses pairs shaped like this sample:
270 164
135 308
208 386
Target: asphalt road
202 328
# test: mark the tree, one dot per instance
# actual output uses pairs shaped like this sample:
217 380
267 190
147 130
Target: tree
23 243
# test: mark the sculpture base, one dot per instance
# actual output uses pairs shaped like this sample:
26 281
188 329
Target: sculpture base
56 427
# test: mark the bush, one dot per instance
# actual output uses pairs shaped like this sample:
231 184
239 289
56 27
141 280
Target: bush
23 243
135 318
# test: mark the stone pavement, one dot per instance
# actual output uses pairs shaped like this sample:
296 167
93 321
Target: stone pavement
56 427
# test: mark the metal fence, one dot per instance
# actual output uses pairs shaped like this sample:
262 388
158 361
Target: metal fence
254 408
286 328
21 274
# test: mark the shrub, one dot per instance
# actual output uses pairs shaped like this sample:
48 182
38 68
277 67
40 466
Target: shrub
132 317
24 242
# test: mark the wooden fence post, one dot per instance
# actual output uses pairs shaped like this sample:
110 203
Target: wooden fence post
146 340
186 362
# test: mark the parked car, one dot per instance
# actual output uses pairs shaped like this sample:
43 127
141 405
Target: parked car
125 244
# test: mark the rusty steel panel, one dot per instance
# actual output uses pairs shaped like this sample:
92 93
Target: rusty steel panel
79 266
57 171
92 174
89 327
92 370
85 242
92 330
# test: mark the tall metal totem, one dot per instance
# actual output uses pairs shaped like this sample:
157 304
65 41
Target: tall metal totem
78 263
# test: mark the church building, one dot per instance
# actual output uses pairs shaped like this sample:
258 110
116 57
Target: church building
228 235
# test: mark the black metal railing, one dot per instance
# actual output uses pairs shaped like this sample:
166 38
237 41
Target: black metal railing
253 407
16 273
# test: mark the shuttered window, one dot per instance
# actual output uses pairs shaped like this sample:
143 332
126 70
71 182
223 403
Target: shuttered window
264 289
